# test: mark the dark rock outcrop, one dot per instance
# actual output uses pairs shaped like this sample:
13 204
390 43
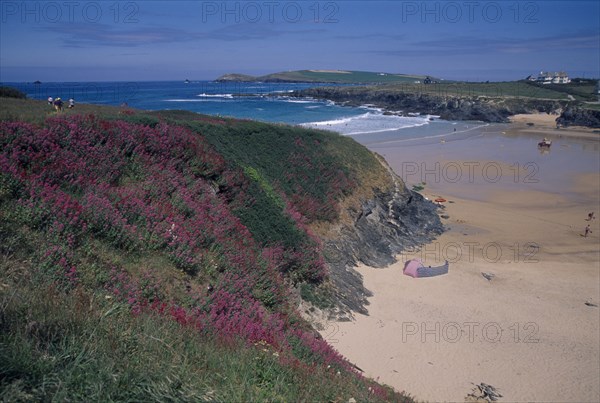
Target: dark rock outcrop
579 117
486 109
392 222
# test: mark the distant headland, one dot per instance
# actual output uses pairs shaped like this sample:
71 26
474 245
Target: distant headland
575 101
326 76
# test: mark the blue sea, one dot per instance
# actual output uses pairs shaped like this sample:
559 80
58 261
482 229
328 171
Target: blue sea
268 102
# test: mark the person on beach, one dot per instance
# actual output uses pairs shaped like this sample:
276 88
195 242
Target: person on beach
50 101
71 103
587 231
591 216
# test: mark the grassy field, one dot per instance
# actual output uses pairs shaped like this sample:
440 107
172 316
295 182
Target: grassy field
512 89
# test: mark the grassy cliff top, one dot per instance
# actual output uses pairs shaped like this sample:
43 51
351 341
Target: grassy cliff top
580 90
158 255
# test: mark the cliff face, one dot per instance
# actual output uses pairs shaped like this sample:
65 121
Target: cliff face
394 220
579 117
447 107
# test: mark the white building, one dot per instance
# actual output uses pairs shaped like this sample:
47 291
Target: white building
551 78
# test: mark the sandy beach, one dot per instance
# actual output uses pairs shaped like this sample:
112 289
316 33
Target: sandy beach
528 331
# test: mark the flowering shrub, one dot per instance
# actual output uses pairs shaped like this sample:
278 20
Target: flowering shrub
293 161
57 263
146 187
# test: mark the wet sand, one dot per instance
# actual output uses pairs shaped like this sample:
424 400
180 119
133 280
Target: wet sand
528 330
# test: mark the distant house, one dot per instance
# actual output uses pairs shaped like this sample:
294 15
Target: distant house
546 77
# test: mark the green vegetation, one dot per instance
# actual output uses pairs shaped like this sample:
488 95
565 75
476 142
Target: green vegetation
592 106
419 187
77 346
34 111
238 78
327 76
582 91
579 89
311 169
10 92
160 256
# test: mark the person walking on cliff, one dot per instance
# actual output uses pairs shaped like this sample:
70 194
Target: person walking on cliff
58 104
587 231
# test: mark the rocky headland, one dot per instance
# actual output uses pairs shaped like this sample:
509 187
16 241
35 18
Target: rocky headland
573 116
449 107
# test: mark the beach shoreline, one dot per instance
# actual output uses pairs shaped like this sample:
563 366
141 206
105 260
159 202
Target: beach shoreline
528 330
545 124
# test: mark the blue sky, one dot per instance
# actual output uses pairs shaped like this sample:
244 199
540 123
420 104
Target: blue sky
140 40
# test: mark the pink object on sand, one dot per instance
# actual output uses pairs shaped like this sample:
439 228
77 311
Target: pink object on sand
410 268
415 268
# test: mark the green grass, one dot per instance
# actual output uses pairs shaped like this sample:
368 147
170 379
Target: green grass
35 111
592 106
265 152
346 77
580 89
510 89
83 347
